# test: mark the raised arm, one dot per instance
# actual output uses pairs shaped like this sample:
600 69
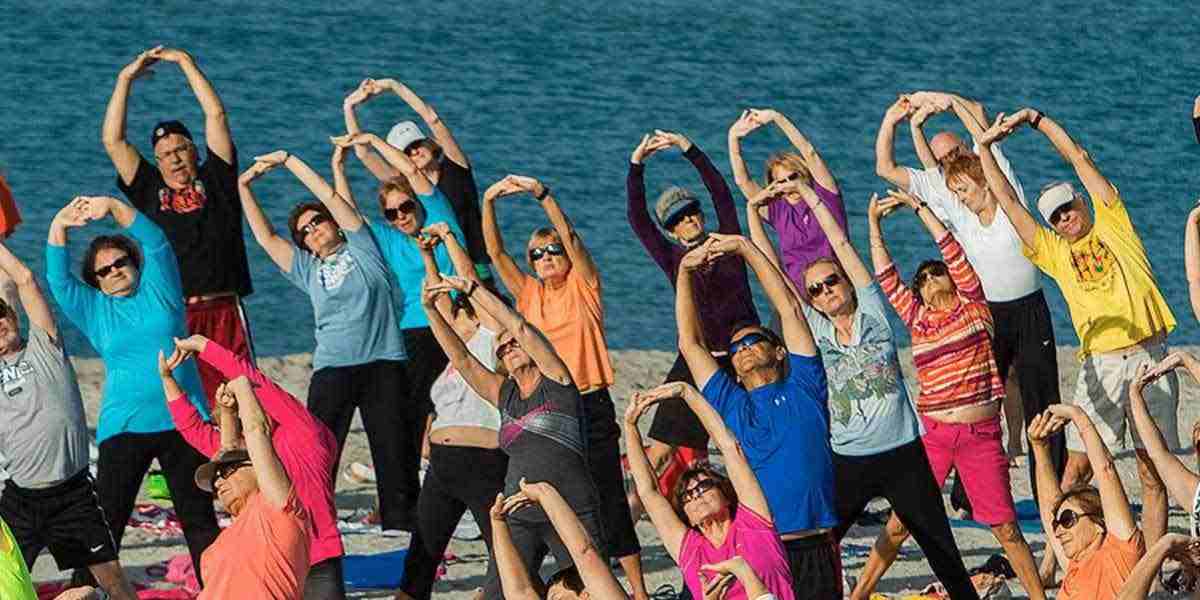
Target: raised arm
796 334
656 244
1146 573
812 159
1181 481
899 295
593 569
273 482
427 243
846 255
885 144
1041 428
216 124
344 213
745 124
692 346
484 381
581 259
756 207
374 163
278 248
74 297
123 155
514 579
916 127
1098 186
1118 517
436 125
197 432
970 112
32 300
1018 214
671 530
1191 258
341 183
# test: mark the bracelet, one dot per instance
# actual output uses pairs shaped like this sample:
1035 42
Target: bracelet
471 289
545 192
1037 119
920 205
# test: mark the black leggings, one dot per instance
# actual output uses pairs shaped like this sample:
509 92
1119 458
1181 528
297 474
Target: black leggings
394 425
903 477
124 460
603 438
459 479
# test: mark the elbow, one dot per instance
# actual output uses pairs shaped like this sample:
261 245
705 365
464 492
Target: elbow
22 277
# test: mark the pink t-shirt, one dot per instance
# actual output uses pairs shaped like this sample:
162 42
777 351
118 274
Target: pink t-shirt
752 538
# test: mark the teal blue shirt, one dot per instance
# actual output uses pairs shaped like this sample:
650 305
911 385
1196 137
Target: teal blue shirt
129 332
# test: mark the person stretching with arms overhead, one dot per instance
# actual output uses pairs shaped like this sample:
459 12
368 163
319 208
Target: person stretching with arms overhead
959 403
563 300
1119 314
725 284
775 404
541 428
195 204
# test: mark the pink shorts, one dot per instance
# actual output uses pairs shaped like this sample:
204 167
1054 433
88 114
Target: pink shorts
975 450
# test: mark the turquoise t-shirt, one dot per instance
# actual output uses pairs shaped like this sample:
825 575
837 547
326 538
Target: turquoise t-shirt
404 257
353 299
129 331
869 406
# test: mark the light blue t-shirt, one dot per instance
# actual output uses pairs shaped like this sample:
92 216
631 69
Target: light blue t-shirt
353 298
129 331
869 406
783 429
404 257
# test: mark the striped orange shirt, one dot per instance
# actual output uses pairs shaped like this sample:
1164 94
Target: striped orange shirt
952 349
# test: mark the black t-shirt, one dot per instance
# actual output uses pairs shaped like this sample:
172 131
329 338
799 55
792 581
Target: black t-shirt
457 183
204 224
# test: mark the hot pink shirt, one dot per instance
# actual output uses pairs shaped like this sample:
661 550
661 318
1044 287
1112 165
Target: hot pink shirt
305 446
752 538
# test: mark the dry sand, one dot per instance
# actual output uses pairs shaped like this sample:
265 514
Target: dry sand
635 370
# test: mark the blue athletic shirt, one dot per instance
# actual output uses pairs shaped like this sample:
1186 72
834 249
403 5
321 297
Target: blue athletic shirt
783 429
404 257
128 333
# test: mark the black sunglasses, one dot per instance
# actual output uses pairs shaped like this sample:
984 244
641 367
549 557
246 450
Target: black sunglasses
227 469
678 217
505 348
696 491
745 341
536 254
406 207
794 176
935 270
817 288
1061 212
313 223
1068 518
122 262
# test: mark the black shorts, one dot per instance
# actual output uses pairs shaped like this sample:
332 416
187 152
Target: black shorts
816 565
65 518
674 423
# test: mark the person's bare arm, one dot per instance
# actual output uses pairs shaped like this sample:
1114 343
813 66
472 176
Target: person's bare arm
399 161
33 301
484 381
1145 573
745 124
692 346
341 183
1041 428
812 159
581 258
916 127
671 530
344 213
1018 214
970 112
796 334
514 579
593 568
1098 186
1191 258
273 482
739 568
372 161
514 279
755 207
124 155
1118 517
216 123
885 145
856 270
441 133
279 249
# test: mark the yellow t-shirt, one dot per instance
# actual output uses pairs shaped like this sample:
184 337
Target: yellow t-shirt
15 583
1107 281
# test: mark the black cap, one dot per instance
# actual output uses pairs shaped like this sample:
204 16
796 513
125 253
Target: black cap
166 128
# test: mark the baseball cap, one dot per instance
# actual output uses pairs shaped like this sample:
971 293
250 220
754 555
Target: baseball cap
1054 196
166 128
403 134
207 472
673 202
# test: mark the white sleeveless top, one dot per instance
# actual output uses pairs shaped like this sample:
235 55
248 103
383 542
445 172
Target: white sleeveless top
455 403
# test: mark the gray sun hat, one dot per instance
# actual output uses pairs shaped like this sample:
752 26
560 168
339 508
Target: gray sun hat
672 202
206 473
1053 197
403 134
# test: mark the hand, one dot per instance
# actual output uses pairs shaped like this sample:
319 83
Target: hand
255 171
366 89
695 258
167 364
646 148
922 114
899 110
379 86
430 291
457 284
426 242
502 188
938 100
438 230
497 511
193 343
534 492
673 139
904 198
140 66
338 160
878 209
732 566
274 159
716 586
1194 216
744 125
639 402
225 397
350 140
74 214
1041 427
1068 412
86 592
97 207
999 130
527 184
764 115
777 189
720 244
1172 361
172 55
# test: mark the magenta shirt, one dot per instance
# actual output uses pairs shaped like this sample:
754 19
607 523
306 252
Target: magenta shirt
752 538
801 239
305 446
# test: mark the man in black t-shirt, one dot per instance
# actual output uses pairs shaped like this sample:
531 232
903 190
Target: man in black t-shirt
195 204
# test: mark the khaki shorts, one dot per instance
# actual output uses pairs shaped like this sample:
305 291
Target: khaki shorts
1102 391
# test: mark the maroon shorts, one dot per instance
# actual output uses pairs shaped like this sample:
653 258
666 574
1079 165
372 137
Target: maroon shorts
224 321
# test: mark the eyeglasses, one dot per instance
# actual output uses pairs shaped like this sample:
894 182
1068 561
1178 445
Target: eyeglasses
505 348
817 288
1061 212
678 217
179 152
405 207
536 254
689 494
934 270
745 341
1068 518
225 470
313 223
120 263
413 148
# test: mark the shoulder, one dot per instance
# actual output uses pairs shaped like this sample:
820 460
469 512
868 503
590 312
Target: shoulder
747 518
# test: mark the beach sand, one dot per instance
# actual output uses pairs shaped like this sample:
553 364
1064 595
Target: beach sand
636 369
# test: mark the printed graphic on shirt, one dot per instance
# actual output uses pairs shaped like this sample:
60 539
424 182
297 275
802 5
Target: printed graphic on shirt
333 272
857 378
1093 262
13 377
182 201
546 422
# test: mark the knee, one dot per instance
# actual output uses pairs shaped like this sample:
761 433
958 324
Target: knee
1008 533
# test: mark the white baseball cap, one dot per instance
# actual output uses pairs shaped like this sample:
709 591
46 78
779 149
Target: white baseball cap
403 134
1053 197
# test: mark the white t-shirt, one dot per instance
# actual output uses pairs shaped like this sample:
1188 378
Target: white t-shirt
455 403
994 250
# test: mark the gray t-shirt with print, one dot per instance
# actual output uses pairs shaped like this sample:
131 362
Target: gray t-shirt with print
43 431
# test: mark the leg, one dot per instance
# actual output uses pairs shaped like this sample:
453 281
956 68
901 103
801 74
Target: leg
391 422
325 581
124 460
112 580
1036 369
23 517
1014 416
438 512
853 478
479 492
193 506
816 566
331 401
1021 557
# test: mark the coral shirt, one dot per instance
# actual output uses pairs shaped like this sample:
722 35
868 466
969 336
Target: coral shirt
572 318
263 555
1100 575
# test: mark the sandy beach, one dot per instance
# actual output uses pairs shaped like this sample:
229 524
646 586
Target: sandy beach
635 370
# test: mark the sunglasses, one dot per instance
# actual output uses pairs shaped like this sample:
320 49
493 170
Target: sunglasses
936 270
536 254
1061 212
313 223
225 470
1068 518
122 262
678 218
795 176
745 341
686 496
816 288
406 207
505 348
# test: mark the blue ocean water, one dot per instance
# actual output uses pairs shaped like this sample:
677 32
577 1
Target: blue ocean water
563 91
